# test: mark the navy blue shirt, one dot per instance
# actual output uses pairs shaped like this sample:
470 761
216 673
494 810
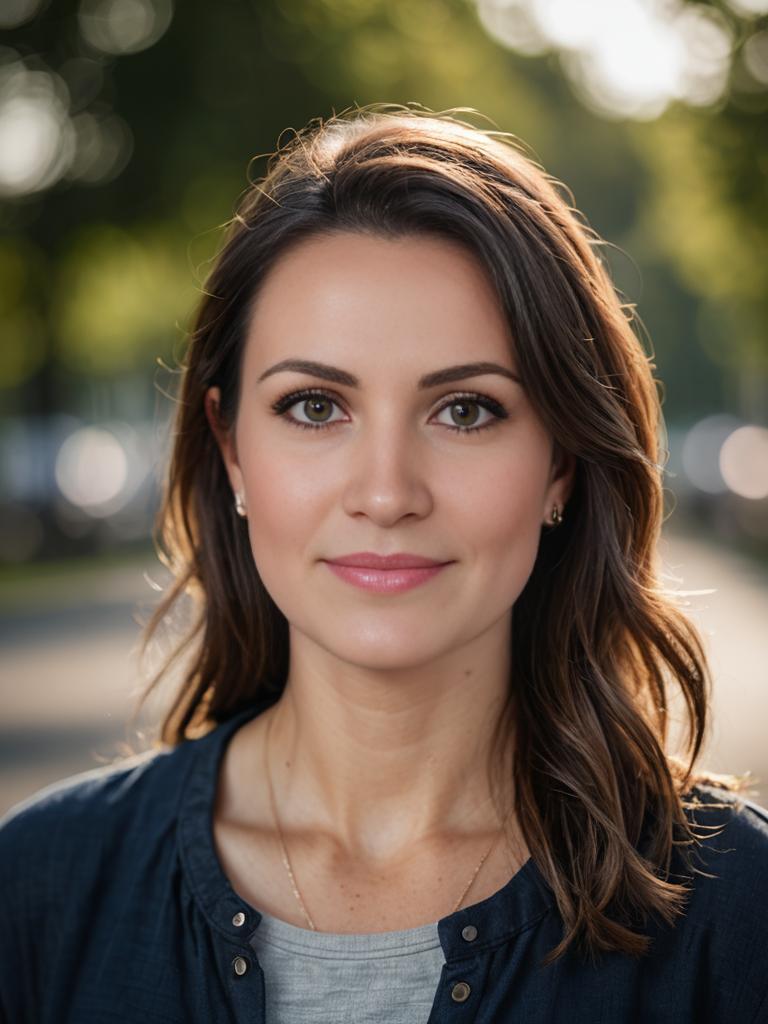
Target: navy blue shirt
115 908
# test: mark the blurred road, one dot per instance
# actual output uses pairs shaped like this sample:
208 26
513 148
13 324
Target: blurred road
69 673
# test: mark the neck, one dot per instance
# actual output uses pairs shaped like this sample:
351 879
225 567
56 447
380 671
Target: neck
382 760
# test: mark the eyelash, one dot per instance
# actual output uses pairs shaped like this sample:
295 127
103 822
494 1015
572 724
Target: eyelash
281 405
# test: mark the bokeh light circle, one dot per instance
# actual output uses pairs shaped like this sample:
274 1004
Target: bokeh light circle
743 462
92 470
124 26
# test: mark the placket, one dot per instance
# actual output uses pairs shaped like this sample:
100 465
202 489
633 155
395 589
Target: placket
238 963
463 978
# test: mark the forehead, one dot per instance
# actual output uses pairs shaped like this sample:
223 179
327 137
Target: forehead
360 298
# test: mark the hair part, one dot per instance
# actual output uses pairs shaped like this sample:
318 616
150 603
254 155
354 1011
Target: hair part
596 640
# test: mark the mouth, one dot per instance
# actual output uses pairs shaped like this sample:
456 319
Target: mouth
400 560
387 581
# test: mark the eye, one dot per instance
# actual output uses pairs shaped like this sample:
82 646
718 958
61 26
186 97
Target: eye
468 406
317 402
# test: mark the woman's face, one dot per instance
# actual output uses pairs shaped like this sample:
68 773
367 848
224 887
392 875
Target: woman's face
460 471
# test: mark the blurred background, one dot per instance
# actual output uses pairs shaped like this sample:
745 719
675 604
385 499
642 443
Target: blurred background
128 129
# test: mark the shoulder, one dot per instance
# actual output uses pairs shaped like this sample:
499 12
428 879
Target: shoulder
113 789
59 835
111 820
731 853
726 820
721 944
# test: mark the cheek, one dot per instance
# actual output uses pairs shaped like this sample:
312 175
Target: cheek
285 506
496 516
283 498
499 493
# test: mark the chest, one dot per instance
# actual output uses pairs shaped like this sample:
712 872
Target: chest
342 895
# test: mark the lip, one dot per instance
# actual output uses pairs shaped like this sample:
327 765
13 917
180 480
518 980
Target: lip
386 581
385 574
400 560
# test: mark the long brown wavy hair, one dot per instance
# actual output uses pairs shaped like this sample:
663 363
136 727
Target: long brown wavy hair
596 640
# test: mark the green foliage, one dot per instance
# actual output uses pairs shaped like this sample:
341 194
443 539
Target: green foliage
23 349
685 196
118 296
709 213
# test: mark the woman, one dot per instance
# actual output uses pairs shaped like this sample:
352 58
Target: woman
417 768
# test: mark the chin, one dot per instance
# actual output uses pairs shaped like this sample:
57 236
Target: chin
383 650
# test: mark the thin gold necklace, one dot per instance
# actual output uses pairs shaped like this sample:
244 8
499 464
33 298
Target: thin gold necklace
287 862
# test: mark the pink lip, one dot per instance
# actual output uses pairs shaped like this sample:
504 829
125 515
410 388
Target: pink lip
400 560
385 574
386 581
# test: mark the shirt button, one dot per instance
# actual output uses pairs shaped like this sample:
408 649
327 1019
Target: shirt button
469 933
239 919
240 965
460 992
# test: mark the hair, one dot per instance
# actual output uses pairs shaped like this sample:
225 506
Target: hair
595 638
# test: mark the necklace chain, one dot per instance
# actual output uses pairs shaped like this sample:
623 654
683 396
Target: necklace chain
287 862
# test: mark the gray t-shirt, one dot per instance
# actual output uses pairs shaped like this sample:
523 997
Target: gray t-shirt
328 978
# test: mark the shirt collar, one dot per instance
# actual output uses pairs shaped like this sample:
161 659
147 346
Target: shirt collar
520 903
224 909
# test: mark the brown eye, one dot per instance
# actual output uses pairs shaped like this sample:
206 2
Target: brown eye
468 413
313 403
314 406
309 404
465 410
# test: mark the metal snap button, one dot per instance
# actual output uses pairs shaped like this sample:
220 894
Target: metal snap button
240 965
469 933
460 992
239 919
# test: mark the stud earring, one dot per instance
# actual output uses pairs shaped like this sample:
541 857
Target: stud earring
239 503
557 515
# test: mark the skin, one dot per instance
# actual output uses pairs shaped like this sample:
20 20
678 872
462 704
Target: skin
378 746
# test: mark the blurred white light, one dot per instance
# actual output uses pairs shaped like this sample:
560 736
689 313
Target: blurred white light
511 22
104 146
16 12
706 48
749 8
570 23
618 62
701 452
124 26
628 58
755 54
36 137
744 462
92 470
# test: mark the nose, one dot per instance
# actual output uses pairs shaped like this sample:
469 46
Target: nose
388 474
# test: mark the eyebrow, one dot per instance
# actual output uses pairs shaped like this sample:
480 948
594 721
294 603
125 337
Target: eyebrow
430 380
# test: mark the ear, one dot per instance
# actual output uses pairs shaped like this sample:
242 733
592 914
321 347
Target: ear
561 481
225 439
